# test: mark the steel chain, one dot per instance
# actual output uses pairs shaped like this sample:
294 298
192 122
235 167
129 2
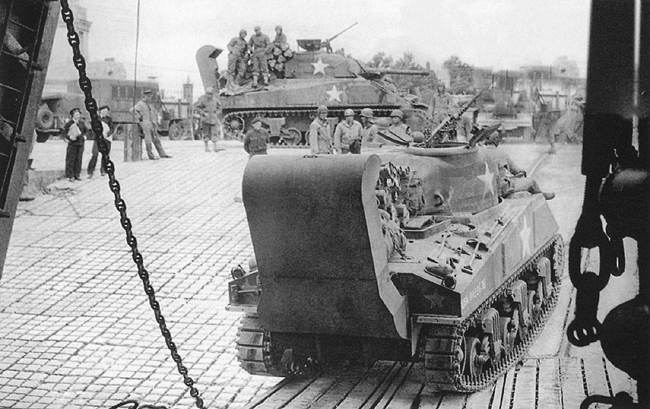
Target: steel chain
120 204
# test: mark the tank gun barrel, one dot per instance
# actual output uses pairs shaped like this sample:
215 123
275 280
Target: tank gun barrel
340 32
389 71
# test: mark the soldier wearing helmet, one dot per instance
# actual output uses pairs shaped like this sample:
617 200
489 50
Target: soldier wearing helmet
368 127
209 107
347 135
256 139
280 37
260 46
237 57
320 135
397 130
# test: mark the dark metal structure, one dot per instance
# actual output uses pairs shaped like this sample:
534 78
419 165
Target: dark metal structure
27 30
406 254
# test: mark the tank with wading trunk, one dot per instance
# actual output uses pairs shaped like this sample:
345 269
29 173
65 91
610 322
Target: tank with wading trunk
407 253
313 76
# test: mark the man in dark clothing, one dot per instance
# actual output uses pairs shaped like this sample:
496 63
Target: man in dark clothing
256 139
74 133
107 133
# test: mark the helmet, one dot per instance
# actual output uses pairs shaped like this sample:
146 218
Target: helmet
242 31
367 112
418 136
257 28
209 90
397 113
322 108
278 28
348 112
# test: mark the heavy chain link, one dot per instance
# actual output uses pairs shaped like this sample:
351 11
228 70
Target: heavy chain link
120 204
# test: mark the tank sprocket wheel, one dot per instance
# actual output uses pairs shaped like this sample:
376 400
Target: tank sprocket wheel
475 374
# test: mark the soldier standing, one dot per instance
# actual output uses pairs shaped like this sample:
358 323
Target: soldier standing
237 57
347 135
280 37
147 116
320 138
368 127
260 44
256 139
209 106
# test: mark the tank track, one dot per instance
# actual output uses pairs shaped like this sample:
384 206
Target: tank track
254 348
249 115
443 369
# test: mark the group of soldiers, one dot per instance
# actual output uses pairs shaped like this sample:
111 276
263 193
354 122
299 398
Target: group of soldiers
256 50
349 133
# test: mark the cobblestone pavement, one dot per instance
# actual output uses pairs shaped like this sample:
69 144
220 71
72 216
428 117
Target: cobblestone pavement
75 326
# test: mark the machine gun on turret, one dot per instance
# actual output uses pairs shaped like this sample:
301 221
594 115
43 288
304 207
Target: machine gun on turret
448 125
317 45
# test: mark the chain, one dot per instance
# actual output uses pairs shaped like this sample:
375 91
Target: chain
120 204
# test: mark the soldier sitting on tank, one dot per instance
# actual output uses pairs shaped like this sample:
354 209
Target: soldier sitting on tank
280 39
511 178
260 46
398 133
256 139
237 58
368 127
347 135
320 135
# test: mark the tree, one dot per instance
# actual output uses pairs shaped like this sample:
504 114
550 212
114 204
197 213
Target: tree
409 83
381 60
460 75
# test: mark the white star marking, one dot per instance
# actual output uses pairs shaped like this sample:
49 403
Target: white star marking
334 94
524 234
487 178
319 66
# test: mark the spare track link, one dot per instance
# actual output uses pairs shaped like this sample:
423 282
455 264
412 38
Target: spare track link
443 369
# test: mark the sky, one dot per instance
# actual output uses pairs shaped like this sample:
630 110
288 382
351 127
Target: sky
487 33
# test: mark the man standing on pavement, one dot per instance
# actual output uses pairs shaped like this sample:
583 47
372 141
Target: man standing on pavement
74 133
256 139
147 116
347 135
107 133
368 127
209 106
260 44
237 58
320 135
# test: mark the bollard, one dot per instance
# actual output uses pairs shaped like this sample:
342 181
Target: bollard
133 143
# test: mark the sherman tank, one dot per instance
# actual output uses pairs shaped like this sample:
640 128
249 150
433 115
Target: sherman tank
405 253
312 76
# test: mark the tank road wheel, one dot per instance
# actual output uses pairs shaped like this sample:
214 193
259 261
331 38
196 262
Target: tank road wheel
44 117
293 137
234 127
175 131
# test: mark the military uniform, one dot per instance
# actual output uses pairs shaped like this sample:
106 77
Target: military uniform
259 44
280 39
320 138
148 118
209 106
369 132
255 141
237 48
347 137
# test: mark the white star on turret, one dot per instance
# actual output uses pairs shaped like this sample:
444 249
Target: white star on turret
334 94
524 234
487 178
319 66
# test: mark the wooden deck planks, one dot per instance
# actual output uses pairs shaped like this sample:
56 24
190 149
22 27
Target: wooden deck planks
453 401
506 395
310 394
620 381
480 399
594 369
525 385
408 395
340 389
282 396
549 386
390 383
497 396
573 391
373 380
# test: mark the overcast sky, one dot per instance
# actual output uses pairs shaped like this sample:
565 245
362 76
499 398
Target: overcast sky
493 33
